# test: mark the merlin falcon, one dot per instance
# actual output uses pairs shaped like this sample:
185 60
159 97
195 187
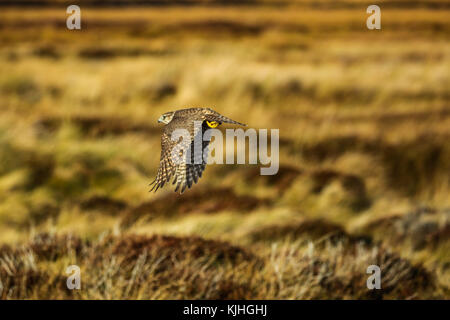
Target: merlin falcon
186 172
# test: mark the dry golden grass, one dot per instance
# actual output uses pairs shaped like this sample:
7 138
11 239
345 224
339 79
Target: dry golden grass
364 119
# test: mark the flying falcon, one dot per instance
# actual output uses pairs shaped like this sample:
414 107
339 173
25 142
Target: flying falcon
185 173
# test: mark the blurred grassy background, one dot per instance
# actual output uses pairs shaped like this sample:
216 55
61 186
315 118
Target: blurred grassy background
364 119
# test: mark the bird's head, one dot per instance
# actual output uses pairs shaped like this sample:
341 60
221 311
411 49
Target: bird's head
166 117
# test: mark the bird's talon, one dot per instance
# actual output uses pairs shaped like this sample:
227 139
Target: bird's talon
212 124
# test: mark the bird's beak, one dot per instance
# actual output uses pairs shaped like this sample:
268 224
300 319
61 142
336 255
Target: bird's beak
160 119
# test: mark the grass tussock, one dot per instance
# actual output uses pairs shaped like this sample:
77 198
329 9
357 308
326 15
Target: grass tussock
146 266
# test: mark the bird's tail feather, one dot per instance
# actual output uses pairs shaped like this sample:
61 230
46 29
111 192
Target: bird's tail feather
228 120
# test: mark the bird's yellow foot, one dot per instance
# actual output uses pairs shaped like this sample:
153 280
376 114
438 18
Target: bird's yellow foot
212 124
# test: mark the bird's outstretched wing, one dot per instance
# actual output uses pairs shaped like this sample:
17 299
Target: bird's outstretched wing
184 173
188 173
166 166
